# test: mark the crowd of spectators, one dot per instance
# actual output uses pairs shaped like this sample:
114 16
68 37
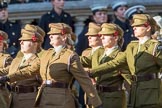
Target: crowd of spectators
31 1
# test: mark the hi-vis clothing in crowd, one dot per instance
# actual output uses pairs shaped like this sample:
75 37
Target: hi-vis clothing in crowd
5 60
144 65
57 72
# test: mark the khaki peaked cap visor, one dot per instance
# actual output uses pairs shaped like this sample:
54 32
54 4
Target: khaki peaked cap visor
28 35
59 28
35 28
111 29
93 29
140 19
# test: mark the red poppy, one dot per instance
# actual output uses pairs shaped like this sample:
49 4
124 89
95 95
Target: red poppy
116 33
34 38
63 31
1 37
146 24
99 35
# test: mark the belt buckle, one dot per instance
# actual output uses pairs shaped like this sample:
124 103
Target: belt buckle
48 82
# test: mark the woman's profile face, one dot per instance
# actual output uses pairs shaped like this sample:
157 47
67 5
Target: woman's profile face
28 46
140 31
57 40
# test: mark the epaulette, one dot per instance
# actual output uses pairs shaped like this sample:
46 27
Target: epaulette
50 49
88 49
69 51
153 40
134 41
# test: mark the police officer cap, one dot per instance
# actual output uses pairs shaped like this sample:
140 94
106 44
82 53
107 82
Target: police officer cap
98 7
59 28
138 9
3 35
93 29
30 35
34 28
158 20
118 4
111 29
3 4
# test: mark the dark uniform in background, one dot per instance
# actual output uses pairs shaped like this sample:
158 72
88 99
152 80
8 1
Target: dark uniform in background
12 29
125 24
53 17
99 17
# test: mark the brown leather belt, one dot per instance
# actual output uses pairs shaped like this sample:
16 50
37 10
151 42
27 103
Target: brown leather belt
24 89
55 84
103 88
145 77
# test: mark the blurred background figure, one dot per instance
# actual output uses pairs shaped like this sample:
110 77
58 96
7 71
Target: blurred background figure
13 29
119 8
56 15
99 16
158 34
137 9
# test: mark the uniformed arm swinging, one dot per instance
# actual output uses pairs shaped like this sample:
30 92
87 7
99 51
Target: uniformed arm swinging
82 77
112 65
86 61
22 73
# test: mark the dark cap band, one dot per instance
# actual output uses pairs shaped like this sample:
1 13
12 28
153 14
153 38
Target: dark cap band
3 5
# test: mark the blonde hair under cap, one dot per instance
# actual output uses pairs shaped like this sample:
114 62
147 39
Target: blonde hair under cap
93 29
146 20
59 28
62 29
111 29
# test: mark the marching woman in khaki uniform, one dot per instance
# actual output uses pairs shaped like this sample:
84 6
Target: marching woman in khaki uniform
5 60
23 75
144 58
59 66
34 28
109 86
95 43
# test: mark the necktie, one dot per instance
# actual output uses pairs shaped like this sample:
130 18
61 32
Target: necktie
22 62
103 58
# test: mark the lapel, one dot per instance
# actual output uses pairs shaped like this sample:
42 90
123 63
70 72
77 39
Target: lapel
57 56
109 57
142 49
27 62
135 50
